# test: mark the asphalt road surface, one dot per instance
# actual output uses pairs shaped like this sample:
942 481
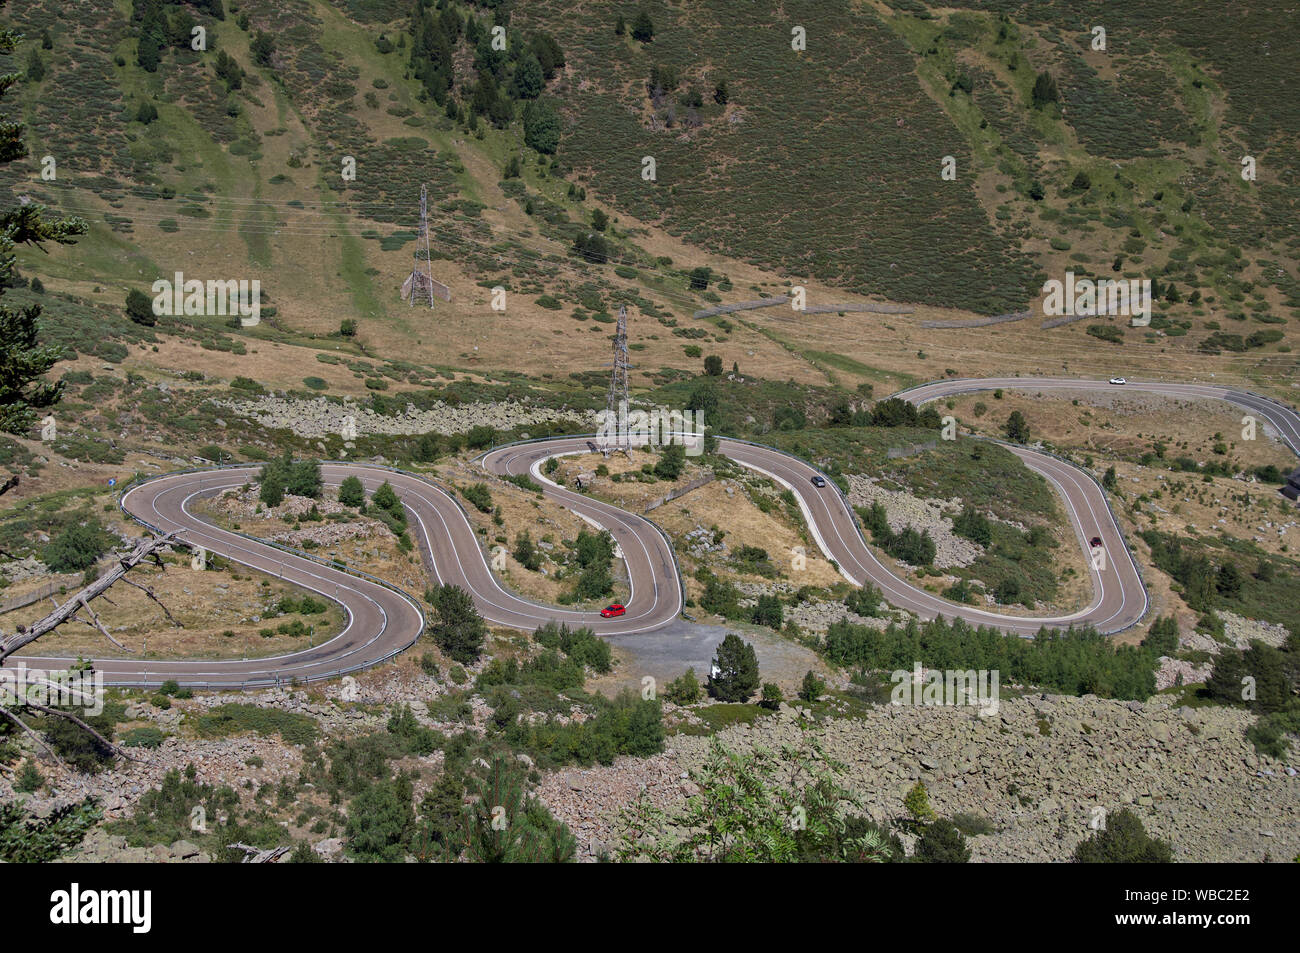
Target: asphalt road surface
383 621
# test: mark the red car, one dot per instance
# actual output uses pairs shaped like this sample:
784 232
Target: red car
1095 542
610 611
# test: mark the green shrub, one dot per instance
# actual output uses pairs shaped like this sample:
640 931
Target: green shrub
525 553
864 601
972 825
628 725
1075 662
144 737
583 646
29 778
685 689
285 475
941 843
76 746
351 492
77 548
974 526
479 495
1123 841
1107 332
236 717
163 815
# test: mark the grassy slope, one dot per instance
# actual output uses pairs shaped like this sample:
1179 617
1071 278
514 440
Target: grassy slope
868 176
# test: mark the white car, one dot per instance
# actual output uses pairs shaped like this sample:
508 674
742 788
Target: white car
1118 380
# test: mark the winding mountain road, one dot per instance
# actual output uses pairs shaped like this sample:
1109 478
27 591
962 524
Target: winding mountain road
383 621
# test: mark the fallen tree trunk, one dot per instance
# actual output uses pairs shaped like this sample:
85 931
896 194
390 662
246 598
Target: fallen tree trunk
66 612
256 855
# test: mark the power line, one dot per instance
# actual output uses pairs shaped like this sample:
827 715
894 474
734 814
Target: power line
1079 351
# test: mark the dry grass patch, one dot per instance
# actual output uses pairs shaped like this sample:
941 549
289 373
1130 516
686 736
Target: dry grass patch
223 613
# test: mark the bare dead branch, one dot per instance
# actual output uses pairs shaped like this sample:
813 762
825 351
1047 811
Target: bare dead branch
96 624
256 855
81 724
149 592
62 613
35 735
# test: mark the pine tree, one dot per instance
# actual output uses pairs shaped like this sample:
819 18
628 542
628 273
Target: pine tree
772 696
525 552
380 820
272 491
736 666
153 39
1198 577
386 498
643 28
1224 684
458 629
671 462
529 834
1265 664
1162 637
262 48
139 308
768 612
1017 427
528 80
1045 90
35 66
1228 581
23 362
541 127
684 690
917 803
229 71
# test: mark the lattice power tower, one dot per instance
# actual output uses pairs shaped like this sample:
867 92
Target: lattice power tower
420 285
616 401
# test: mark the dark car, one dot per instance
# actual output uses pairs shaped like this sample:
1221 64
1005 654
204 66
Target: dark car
819 481
612 610
1095 542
